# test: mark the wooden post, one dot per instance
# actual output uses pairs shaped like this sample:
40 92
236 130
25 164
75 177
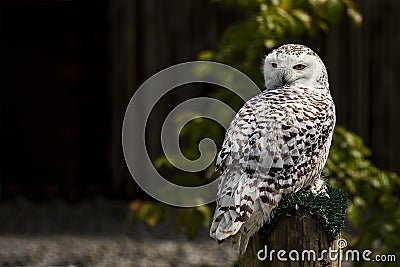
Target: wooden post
299 232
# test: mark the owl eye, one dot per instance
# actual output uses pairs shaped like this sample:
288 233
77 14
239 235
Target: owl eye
274 65
299 67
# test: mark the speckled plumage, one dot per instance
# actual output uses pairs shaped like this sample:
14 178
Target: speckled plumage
277 144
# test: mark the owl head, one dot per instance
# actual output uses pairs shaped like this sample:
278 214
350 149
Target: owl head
294 64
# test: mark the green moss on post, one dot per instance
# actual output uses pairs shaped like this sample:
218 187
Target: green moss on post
301 222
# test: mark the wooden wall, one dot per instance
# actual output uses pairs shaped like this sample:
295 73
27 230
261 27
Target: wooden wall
72 66
54 116
363 63
364 71
146 37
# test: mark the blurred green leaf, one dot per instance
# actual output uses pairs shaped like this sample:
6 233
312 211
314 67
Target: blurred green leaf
207 214
148 211
189 220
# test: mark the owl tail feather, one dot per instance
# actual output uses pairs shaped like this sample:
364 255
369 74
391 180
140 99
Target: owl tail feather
240 242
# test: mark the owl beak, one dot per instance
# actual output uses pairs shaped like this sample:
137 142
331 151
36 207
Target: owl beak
284 81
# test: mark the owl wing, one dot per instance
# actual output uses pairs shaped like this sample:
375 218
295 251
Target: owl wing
265 156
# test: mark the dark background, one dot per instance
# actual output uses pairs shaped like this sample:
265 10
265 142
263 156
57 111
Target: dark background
69 69
56 114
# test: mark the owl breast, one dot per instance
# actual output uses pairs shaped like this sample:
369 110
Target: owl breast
276 145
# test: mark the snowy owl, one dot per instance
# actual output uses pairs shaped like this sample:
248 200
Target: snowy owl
277 144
